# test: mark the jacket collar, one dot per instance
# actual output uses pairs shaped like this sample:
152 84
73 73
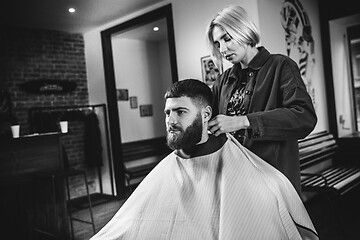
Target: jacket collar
255 64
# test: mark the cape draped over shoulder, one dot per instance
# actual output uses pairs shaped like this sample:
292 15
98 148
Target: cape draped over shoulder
223 191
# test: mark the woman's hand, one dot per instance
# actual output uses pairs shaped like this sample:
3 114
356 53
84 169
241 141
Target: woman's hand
225 124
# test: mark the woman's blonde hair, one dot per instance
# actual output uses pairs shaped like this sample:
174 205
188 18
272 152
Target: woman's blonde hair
237 24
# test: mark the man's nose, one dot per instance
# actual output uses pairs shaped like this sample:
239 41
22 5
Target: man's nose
171 119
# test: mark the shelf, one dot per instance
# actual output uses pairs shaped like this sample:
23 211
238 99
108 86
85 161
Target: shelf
40 134
355 41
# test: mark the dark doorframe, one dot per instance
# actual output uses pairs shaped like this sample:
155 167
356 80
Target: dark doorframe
331 10
110 84
353 32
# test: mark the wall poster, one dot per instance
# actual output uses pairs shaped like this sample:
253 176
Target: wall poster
210 71
300 44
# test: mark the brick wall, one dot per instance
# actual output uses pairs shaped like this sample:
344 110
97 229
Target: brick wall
39 54
32 54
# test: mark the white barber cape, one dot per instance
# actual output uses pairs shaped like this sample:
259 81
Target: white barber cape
223 191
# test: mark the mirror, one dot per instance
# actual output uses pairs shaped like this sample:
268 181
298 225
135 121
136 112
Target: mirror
142 75
139 65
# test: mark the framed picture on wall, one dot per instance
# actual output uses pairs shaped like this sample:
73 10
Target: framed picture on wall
133 102
209 70
122 94
146 110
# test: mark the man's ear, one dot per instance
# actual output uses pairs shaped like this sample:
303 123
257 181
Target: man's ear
207 113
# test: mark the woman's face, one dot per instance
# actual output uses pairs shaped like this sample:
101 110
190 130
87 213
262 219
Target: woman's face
228 47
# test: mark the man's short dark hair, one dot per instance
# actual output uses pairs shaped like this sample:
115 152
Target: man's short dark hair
195 89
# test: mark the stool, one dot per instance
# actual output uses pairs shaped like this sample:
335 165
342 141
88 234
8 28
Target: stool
60 219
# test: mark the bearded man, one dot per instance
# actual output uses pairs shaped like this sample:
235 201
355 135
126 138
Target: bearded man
208 187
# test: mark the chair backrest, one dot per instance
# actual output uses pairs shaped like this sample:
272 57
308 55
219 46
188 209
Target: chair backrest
316 148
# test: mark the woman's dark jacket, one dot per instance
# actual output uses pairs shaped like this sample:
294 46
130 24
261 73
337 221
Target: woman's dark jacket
279 109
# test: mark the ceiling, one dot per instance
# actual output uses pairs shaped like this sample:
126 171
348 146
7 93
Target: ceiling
146 33
54 15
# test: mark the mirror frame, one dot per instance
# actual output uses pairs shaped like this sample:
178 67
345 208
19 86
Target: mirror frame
110 83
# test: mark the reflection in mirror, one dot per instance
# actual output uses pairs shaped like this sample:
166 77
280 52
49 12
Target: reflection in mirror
139 64
142 67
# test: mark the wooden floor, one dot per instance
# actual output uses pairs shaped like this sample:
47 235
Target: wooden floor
332 226
102 214
324 219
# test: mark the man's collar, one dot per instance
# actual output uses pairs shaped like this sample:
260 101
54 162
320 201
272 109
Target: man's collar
210 146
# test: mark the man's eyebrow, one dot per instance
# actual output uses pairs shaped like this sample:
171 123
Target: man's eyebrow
176 109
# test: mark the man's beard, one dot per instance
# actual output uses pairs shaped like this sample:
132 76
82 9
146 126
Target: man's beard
188 138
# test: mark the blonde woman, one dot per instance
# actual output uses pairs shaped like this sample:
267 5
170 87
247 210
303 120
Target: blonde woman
261 100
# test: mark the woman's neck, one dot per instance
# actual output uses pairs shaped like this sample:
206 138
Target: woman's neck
249 55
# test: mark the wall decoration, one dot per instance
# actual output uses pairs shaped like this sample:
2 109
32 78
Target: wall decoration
122 94
45 86
133 102
300 44
209 70
146 110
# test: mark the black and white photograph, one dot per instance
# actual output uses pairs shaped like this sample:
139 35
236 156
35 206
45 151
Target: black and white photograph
180 120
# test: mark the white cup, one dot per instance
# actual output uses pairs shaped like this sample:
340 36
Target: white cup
15 129
64 126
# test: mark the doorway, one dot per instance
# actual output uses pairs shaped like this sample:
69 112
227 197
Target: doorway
139 65
354 54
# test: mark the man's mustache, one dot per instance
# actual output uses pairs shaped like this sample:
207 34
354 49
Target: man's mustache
174 128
